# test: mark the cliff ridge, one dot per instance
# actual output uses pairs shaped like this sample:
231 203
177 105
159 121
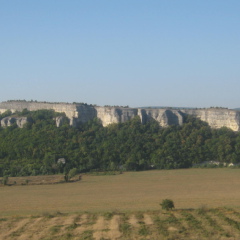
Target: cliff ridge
76 112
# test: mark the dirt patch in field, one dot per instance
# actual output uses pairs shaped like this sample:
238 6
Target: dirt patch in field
147 219
82 219
100 224
69 220
114 232
82 225
104 229
100 228
133 221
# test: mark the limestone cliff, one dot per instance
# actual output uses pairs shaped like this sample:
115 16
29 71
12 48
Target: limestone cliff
59 121
109 115
215 117
165 117
9 121
69 109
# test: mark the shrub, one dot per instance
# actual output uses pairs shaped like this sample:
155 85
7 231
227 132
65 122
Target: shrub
5 180
167 204
72 173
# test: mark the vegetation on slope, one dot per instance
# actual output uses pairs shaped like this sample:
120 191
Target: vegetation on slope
36 148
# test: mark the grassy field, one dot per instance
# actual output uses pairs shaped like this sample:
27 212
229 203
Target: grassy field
130 191
124 206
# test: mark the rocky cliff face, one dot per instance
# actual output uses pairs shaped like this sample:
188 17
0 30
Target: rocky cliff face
69 109
59 121
9 121
109 115
165 117
216 118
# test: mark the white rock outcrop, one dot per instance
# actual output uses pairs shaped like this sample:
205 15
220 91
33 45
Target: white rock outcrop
215 117
9 121
59 121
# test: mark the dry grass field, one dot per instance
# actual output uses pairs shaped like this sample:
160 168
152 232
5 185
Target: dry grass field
124 206
130 191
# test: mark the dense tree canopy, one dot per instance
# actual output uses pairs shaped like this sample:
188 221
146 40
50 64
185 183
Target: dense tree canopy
35 149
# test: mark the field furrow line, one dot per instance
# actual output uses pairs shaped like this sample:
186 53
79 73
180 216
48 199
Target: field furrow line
16 230
207 224
5 225
31 229
48 227
218 216
114 232
84 226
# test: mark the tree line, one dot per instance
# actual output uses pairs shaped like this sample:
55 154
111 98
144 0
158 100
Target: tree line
130 146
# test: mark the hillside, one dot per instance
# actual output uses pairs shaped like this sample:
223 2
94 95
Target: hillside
82 112
36 148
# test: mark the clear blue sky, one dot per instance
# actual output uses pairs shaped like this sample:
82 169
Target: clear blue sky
182 53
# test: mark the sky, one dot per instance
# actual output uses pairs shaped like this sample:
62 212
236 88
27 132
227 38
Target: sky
176 53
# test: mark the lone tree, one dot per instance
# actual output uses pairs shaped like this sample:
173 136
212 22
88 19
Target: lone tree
167 204
72 173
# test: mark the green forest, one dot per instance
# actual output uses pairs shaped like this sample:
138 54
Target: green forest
130 146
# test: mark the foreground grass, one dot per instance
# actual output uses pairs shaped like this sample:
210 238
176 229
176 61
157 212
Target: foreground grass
217 223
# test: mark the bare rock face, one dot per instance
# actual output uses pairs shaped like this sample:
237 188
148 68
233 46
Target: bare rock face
215 117
21 121
109 115
67 108
74 122
165 117
9 121
85 113
59 121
